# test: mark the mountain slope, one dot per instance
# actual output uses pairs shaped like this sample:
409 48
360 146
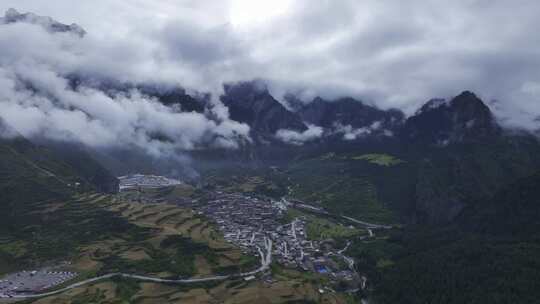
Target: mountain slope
512 211
177 97
347 111
81 160
251 103
455 153
454 177
491 254
463 119
463 155
28 174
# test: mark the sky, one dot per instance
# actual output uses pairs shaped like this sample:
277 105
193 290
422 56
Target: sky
394 54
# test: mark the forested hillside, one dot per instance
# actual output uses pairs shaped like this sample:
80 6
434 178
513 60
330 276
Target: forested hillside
488 255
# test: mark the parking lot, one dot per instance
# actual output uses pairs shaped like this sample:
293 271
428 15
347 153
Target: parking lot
33 281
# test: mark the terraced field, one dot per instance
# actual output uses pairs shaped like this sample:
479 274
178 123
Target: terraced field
166 220
103 234
202 249
230 292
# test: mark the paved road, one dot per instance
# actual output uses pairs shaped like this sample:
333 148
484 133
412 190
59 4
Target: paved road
346 247
324 212
266 260
368 225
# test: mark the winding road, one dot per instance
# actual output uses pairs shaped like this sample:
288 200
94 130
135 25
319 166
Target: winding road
266 260
368 225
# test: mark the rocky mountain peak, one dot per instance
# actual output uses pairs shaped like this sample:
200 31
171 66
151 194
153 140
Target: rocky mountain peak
469 106
432 104
49 24
349 112
464 118
251 103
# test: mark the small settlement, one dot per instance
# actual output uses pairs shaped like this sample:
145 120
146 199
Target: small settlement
245 221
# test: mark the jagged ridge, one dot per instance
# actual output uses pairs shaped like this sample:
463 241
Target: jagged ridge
49 24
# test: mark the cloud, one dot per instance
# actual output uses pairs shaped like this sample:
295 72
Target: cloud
299 138
350 133
13 16
393 54
6 131
37 100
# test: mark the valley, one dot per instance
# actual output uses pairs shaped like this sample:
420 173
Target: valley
330 227
269 152
207 237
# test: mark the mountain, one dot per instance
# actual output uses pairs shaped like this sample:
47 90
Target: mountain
487 255
349 112
177 97
451 178
454 150
463 119
512 211
31 171
84 163
251 103
462 155
49 24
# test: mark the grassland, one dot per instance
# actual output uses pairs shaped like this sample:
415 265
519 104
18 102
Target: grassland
337 186
247 181
379 159
318 228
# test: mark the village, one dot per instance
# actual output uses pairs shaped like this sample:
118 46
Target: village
246 221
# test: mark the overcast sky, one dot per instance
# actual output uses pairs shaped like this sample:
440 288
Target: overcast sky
391 53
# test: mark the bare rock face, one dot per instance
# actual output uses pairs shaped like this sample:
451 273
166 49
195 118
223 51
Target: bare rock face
49 24
464 119
251 103
350 112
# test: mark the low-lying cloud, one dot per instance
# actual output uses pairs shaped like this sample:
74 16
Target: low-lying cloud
37 100
299 138
393 54
350 133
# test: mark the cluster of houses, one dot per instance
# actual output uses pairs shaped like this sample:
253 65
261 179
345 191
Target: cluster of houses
245 221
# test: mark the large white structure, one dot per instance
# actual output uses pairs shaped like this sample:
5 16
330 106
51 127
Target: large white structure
146 181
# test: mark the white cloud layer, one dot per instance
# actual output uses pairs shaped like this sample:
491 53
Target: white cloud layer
299 138
350 133
392 53
36 99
